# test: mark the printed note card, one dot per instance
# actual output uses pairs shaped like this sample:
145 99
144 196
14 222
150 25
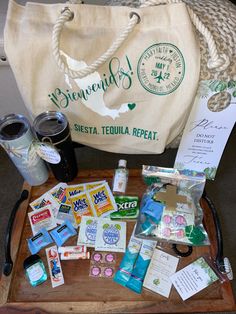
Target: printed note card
208 128
193 278
162 266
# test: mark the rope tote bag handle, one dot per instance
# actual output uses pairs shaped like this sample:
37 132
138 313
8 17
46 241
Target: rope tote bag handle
217 61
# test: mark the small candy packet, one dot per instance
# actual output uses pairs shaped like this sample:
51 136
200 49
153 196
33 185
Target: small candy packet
54 266
103 258
45 200
128 207
92 185
42 218
40 240
87 231
81 206
101 271
74 256
73 190
58 193
103 200
62 233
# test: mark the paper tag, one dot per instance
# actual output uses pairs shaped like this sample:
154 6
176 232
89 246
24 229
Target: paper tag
193 278
157 278
206 132
47 152
54 266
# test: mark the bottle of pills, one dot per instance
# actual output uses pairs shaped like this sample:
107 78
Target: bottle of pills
35 270
120 178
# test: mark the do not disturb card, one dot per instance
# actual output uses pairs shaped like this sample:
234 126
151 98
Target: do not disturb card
193 278
157 278
208 128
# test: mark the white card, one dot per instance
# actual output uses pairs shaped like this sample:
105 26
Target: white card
111 235
193 278
87 231
206 132
157 278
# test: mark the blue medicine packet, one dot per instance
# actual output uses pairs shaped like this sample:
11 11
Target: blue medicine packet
63 232
39 241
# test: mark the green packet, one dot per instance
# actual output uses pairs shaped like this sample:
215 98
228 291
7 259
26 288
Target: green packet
128 207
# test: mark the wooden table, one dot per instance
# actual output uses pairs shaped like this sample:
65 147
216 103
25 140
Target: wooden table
84 294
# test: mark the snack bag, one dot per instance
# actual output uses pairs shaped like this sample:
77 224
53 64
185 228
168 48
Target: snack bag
170 208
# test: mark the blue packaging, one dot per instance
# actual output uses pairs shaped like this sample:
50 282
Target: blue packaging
63 232
136 279
40 240
126 266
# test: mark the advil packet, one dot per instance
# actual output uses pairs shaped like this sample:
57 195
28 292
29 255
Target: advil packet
103 200
81 206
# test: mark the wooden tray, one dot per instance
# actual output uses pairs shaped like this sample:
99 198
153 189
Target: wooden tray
84 294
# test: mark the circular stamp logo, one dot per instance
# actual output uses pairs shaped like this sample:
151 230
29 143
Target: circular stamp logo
90 231
161 68
111 235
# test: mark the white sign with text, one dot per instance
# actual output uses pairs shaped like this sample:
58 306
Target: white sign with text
206 132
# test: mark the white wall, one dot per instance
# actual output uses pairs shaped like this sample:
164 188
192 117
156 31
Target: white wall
10 98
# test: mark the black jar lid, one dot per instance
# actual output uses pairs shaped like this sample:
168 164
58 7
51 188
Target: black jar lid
13 126
50 123
32 259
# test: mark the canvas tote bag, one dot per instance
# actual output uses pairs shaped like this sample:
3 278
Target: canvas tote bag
125 78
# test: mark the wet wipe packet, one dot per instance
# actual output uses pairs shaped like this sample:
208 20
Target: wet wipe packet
81 206
39 241
63 232
102 200
72 190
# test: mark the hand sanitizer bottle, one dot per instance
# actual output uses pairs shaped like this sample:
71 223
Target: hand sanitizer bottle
120 178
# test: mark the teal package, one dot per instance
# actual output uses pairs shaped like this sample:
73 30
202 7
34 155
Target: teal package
136 279
123 274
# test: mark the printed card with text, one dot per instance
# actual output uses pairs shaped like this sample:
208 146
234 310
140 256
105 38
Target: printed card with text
193 278
208 128
157 278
